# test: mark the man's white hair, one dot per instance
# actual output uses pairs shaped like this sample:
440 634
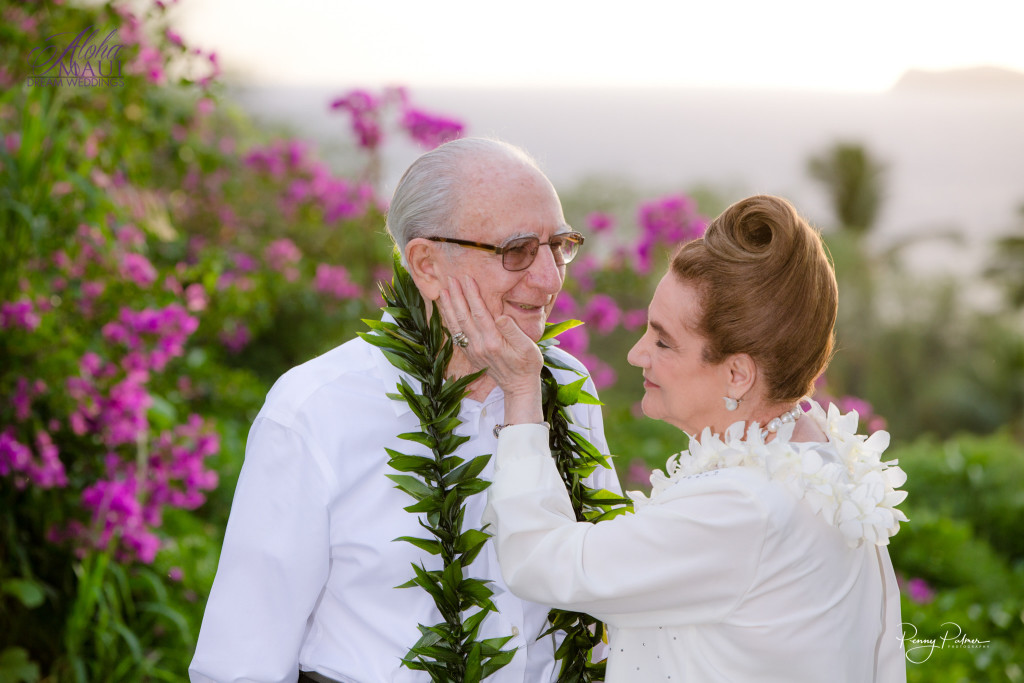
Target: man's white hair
428 193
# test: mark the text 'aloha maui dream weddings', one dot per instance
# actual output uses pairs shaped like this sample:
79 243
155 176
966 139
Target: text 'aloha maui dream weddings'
920 649
83 61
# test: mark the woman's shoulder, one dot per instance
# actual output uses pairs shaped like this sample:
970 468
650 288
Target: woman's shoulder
842 480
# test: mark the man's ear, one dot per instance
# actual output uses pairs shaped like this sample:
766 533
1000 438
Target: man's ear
423 260
742 374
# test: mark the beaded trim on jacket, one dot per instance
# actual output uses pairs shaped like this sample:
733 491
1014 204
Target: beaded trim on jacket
858 494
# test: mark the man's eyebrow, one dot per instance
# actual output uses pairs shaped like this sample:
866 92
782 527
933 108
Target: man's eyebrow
563 229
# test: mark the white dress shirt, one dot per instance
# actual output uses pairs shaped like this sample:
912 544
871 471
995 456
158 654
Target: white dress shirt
724 576
309 566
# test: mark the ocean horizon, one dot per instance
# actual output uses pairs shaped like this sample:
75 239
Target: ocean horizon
955 162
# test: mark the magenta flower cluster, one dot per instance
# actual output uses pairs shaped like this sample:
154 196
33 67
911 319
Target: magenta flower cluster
42 467
283 256
152 336
150 60
367 113
666 221
429 130
599 316
104 399
309 182
364 115
127 505
916 588
335 281
21 313
871 420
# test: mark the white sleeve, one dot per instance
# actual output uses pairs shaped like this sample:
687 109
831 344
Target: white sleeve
891 658
273 564
691 556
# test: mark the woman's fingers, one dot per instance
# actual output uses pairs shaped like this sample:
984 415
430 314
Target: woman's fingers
454 307
499 345
447 309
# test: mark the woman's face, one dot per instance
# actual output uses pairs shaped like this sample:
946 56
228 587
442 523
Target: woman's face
680 388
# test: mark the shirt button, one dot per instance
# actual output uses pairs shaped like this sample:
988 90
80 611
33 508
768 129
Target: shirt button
484 412
515 631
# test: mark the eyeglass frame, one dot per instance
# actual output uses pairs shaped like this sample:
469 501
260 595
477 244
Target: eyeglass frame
573 236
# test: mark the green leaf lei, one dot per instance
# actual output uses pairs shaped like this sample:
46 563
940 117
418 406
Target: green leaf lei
449 651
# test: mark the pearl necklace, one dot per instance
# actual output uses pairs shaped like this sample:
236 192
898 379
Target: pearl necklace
787 417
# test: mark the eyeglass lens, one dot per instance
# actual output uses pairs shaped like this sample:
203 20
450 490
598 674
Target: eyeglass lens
520 253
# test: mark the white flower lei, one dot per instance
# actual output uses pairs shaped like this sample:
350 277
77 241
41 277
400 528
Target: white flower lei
858 495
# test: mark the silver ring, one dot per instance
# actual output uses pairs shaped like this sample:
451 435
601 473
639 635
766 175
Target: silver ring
460 340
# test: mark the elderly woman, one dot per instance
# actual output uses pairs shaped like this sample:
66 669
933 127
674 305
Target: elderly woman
760 553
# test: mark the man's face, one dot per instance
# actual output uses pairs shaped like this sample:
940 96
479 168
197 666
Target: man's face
501 200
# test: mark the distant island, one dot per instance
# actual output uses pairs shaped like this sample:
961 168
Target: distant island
989 80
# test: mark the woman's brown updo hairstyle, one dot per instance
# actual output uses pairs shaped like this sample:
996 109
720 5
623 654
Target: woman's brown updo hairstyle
767 289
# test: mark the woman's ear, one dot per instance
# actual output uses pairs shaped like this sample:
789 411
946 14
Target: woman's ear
423 260
742 374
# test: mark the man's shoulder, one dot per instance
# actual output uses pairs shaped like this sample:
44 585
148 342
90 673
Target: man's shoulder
349 367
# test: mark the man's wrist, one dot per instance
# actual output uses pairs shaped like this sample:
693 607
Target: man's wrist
498 428
524 390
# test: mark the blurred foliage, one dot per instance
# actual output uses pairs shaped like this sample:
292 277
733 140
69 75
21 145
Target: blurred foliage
924 356
1007 265
855 182
963 540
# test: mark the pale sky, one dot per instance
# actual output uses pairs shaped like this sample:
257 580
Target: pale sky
858 46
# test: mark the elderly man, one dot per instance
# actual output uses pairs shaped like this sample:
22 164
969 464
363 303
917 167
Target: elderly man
309 568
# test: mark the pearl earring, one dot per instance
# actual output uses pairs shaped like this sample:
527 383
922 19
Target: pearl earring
731 404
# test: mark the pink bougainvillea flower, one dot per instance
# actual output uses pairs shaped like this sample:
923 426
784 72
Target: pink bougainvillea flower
174 38
137 268
634 320
429 130
574 341
282 253
639 472
24 393
603 313
20 313
195 298
565 306
334 280
14 455
599 221
603 374
235 336
666 221
46 471
363 109
919 591
130 236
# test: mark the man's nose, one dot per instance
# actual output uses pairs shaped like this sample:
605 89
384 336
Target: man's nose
545 272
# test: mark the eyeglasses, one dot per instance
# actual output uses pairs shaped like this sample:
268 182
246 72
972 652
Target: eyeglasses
519 253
